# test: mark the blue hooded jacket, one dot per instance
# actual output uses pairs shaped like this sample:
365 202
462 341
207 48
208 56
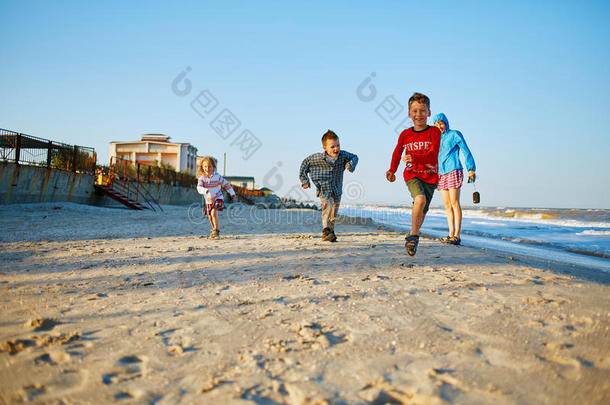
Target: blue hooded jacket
452 142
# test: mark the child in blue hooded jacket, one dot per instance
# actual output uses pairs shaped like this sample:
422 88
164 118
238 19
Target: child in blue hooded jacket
451 176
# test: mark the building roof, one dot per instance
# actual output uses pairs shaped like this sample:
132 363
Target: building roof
153 141
239 178
156 137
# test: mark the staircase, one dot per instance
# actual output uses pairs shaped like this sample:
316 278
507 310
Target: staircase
117 196
122 190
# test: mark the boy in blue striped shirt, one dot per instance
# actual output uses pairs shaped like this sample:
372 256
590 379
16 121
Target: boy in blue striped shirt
326 172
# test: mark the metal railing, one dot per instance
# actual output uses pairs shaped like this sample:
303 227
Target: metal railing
145 173
126 178
27 149
131 179
245 191
136 190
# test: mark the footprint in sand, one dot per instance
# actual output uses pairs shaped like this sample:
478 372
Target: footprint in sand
15 346
139 395
60 384
30 392
53 358
42 324
128 368
567 367
177 343
382 392
496 357
558 346
317 336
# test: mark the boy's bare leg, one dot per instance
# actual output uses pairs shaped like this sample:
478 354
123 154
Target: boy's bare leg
448 211
456 209
417 215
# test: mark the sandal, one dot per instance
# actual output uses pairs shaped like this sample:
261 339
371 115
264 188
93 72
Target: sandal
455 241
411 244
214 234
446 239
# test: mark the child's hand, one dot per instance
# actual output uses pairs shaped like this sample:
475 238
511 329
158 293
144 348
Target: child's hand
306 185
347 168
407 158
390 176
471 175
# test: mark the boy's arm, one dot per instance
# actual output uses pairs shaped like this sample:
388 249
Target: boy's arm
397 154
352 161
304 171
470 166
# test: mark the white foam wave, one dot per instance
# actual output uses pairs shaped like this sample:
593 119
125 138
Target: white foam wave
593 232
488 223
511 216
536 218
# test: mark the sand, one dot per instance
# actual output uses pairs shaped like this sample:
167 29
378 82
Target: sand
104 305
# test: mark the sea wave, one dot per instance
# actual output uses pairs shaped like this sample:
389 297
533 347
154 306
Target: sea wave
559 234
488 223
577 218
593 232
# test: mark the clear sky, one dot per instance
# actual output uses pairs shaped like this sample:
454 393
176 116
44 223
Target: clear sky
526 82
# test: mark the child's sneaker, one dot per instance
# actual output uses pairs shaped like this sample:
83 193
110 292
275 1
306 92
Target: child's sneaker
455 241
328 235
411 244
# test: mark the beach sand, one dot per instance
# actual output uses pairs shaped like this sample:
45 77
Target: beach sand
106 305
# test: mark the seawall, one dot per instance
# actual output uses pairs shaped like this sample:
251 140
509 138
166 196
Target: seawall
31 184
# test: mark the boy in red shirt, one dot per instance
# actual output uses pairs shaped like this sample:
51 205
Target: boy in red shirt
421 145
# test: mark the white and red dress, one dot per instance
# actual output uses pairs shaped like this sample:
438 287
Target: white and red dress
211 188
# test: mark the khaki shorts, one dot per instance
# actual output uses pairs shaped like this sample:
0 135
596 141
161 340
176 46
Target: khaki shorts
419 187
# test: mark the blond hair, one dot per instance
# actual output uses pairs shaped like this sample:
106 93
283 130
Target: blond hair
208 159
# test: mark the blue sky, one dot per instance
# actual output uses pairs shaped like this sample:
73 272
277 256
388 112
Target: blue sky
527 84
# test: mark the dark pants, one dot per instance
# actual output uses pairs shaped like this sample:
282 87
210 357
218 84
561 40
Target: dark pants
419 187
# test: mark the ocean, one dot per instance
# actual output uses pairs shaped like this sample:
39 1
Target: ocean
574 236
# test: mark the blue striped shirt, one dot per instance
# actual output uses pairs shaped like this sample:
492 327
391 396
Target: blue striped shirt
326 175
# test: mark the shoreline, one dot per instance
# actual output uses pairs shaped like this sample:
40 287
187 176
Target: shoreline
523 246
296 215
143 308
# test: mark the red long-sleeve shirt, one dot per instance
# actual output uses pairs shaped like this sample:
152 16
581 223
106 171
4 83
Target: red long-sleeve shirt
423 147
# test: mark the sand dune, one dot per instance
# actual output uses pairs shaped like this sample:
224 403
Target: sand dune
107 305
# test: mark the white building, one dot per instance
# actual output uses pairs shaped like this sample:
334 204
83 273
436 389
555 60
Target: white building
241 181
156 149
